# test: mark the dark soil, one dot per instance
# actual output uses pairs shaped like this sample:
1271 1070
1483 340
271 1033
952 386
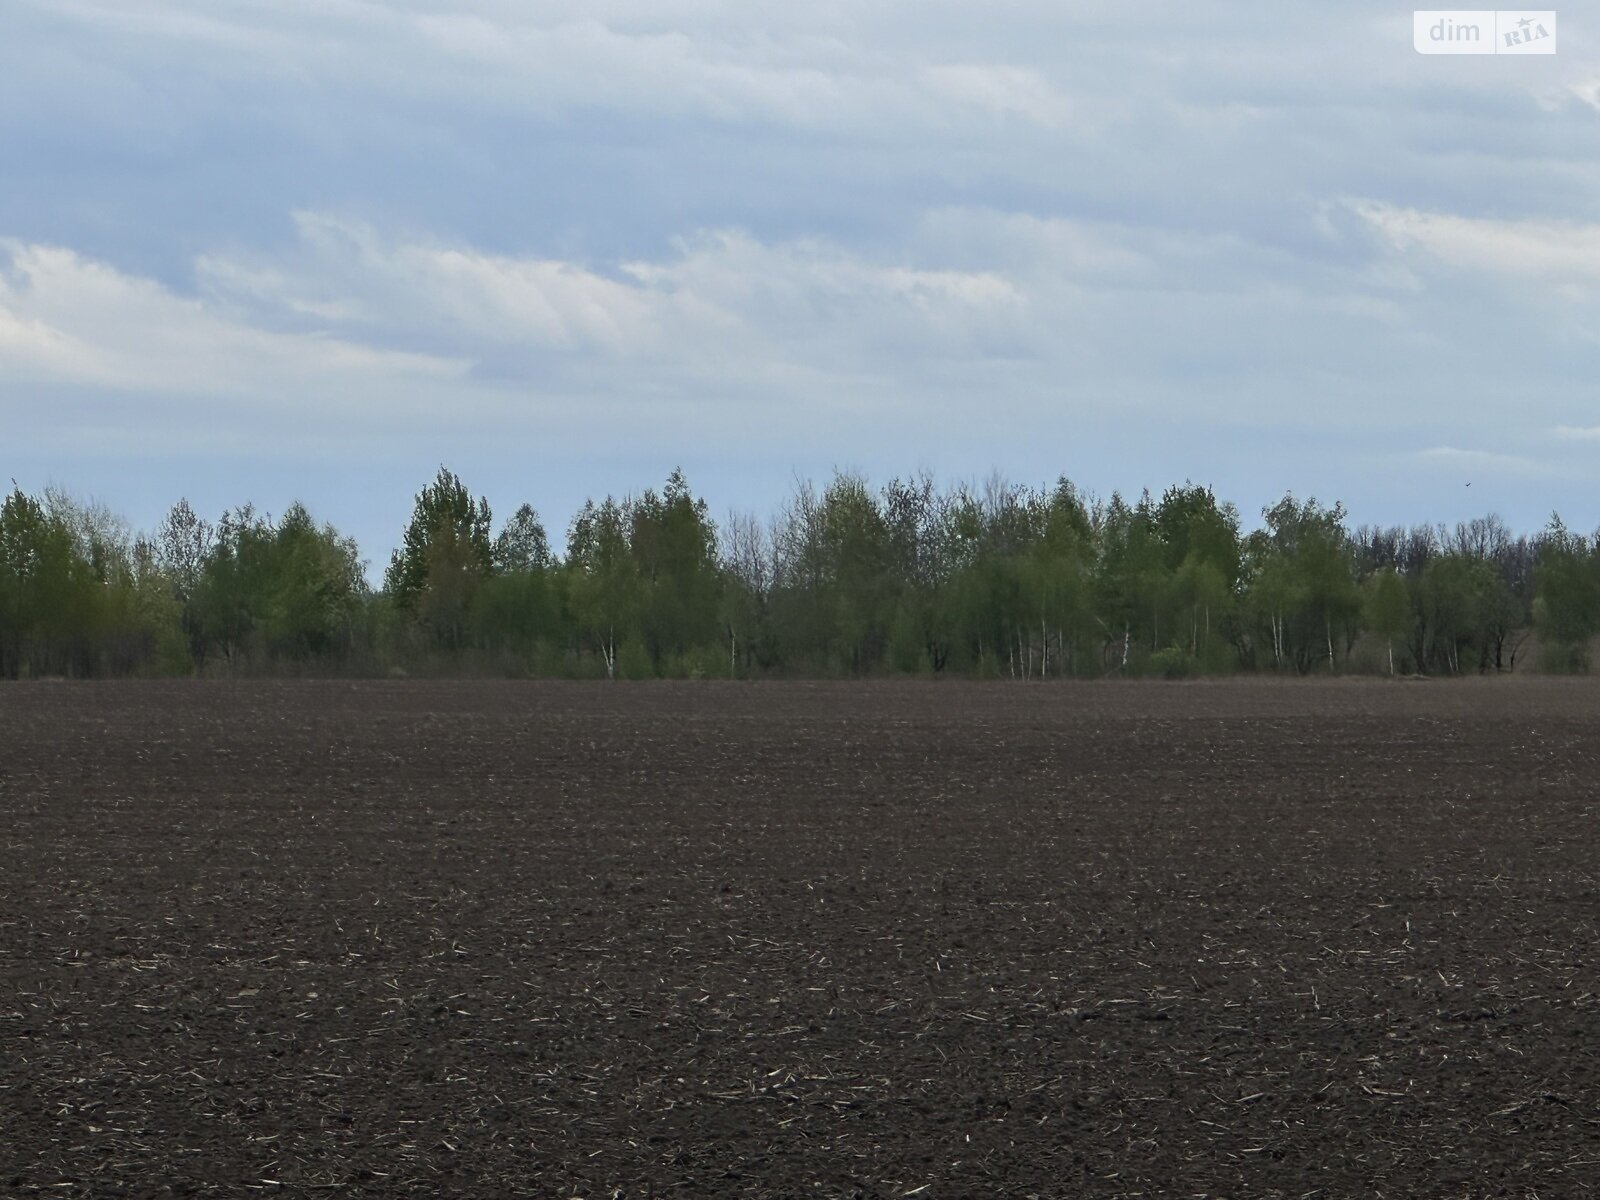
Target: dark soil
865 940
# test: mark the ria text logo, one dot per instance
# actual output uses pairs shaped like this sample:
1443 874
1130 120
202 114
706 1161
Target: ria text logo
1484 31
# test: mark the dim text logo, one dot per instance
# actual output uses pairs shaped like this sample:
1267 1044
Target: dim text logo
1484 31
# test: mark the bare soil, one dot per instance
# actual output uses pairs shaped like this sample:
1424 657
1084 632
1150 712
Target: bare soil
837 940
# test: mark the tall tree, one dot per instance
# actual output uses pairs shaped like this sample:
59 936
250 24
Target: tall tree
445 555
1300 572
183 544
914 515
1132 580
1567 608
856 547
747 563
1389 612
674 547
603 581
231 598
522 544
316 590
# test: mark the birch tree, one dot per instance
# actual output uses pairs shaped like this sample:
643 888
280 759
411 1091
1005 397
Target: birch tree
602 579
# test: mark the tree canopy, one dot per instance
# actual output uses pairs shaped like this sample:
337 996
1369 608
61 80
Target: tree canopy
990 579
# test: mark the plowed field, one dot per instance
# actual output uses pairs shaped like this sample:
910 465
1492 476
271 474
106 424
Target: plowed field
835 940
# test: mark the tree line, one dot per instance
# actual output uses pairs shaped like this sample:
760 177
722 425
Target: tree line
996 580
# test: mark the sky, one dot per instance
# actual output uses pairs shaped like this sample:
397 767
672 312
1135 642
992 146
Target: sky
279 250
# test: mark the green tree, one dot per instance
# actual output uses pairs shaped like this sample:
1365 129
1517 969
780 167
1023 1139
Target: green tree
182 545
745 609
1200 591
1454 596
232 596
116 620
1132 580
856 547
53 580
1388 609
1193 527
1566 608
1300 582
920 636
603 583
24 558
522 544
674 546
1057 576
445 555
314 591
799 605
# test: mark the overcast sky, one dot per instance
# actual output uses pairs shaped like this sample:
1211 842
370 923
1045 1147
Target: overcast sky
311 249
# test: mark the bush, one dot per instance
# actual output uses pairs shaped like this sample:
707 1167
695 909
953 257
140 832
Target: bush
633 662
1559 658
1172 663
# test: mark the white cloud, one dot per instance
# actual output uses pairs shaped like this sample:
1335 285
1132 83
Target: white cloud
725 333
1542 249
70 320
689 61
1002 90
1488 462
721 297
973 317
1577 433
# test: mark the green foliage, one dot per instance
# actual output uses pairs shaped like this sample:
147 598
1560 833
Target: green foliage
76 596
603 583
1388 609
444 557
1566 610
287 593
1456 600
855 545
674 549
744 609
1172 663
515 613
522 546
634 662
1132 581
834 581
1301 591
908 652
1194 529
316 589
996 580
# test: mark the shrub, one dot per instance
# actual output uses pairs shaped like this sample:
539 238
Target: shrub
1172 663
633 661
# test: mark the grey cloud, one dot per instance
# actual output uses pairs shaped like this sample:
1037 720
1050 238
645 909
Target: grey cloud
1265 236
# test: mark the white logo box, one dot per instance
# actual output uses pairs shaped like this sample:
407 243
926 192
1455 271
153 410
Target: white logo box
1484 31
